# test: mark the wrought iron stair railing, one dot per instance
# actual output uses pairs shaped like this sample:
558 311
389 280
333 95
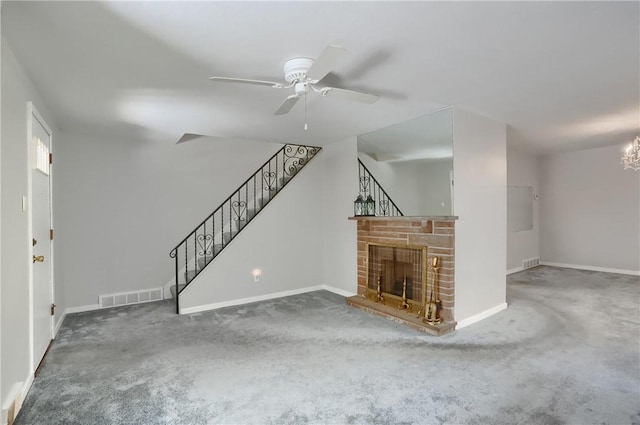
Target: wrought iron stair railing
369 186
220 227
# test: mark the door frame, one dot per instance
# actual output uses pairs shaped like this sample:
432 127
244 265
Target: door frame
33 114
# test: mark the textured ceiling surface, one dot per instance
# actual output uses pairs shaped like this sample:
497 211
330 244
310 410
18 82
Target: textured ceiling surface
561 75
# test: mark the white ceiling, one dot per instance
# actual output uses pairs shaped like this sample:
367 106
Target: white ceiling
562 75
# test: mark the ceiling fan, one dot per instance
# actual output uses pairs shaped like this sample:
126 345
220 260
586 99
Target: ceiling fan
304 75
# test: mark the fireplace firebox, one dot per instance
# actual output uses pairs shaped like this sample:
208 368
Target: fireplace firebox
396 275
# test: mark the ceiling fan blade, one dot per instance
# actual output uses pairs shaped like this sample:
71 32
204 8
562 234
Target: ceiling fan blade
188 136
349 95
245 81
328 59
287 104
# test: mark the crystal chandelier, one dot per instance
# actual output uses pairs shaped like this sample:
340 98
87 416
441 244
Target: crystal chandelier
631 156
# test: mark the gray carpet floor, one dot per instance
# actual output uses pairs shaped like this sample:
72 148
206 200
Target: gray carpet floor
566 351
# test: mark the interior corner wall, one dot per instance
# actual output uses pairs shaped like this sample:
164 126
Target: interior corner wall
339 235
15 348
480 202
522 170
590 211
284 241
123 205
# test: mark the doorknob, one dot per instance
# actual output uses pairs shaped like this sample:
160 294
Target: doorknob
38 259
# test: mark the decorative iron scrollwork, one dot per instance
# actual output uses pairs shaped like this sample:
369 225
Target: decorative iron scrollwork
240 210
384 207
295 157
269 178
364 185
205 242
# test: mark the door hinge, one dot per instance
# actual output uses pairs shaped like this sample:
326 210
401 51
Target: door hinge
51 234
53 309
50 158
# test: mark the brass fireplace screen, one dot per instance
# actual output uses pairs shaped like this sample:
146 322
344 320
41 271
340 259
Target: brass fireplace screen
394 270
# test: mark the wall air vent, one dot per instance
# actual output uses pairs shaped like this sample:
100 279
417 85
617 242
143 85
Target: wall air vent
133 297
531 262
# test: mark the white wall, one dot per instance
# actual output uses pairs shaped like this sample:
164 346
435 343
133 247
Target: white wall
15 350
284 241
590 211
435 186
339 235
522 170
122 205
480 179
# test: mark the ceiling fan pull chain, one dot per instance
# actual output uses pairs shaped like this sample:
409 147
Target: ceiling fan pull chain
305 111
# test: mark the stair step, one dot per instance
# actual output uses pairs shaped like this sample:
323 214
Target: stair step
189 275
203 261
173 290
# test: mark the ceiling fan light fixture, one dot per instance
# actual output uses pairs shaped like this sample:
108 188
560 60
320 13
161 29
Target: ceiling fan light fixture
296 69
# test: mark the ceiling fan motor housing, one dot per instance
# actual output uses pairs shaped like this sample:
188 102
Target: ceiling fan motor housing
296 69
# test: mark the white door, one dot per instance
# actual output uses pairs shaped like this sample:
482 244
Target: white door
41 262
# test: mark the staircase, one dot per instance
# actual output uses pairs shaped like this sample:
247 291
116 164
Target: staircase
369 186
212 236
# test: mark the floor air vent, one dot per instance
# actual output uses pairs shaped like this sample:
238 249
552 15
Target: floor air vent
134 297
531 262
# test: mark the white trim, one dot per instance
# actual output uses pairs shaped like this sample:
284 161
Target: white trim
480 316
240 301
81 309
18 393
337 291
57 328
514 270
595 269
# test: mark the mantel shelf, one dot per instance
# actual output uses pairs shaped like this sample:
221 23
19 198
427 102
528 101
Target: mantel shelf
408 218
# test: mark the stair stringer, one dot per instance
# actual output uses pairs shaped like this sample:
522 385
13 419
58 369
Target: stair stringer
284 242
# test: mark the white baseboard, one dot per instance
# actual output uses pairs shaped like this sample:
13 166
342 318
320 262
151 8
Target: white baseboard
57 328
337 291
480 316
81 309
17 393
514 270
591 268
240 301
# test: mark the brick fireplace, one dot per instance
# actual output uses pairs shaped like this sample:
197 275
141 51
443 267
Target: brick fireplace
436 236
